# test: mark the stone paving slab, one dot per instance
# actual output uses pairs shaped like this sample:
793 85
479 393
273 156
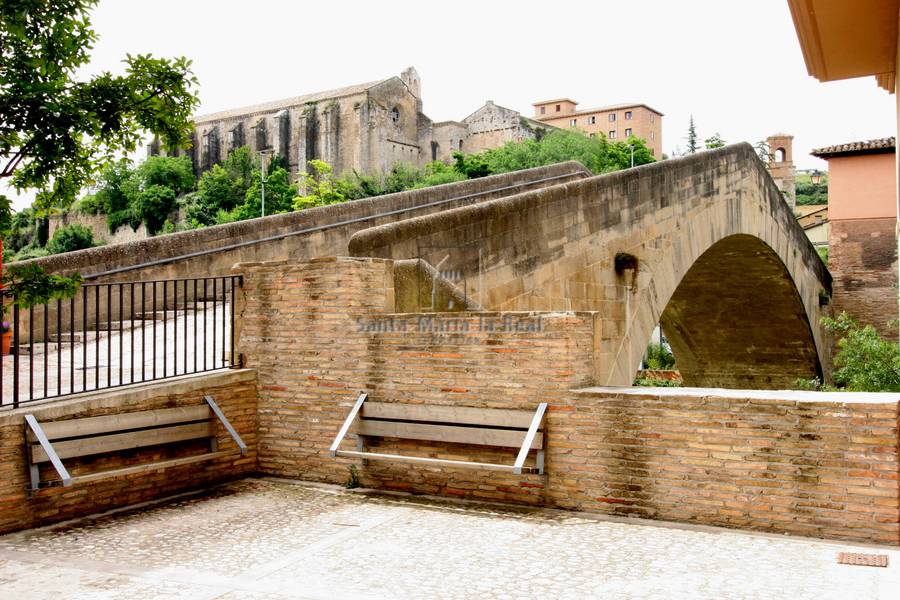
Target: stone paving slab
266 538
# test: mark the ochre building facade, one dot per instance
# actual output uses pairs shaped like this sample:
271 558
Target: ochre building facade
617 123
862 254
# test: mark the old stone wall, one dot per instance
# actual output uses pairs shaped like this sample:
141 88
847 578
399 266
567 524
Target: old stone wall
862 257
98 225
790 462
491 126
234 392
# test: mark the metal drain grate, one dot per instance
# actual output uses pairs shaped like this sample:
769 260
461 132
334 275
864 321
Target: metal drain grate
864 560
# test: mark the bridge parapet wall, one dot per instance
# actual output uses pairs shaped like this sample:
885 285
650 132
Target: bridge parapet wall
319 332
556 249
310 233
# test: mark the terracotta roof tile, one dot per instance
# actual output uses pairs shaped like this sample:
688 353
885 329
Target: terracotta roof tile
866 147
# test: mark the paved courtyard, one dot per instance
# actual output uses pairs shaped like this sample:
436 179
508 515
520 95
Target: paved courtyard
265 538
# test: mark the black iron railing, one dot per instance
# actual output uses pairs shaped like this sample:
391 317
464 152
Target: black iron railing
115 334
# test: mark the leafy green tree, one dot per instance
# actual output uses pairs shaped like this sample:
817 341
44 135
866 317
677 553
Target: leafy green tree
810 193
69 238
320 187
401 177
714 141
692 143
597 154
437 173
153 205
222 188
659 356
56 131
762 151
30 285
175 173
472 166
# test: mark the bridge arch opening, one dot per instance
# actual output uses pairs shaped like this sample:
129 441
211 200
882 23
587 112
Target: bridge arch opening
736 320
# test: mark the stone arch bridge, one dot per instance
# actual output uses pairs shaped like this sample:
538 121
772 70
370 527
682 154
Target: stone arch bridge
704 245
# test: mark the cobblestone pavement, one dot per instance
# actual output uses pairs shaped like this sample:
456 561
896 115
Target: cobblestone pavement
265 538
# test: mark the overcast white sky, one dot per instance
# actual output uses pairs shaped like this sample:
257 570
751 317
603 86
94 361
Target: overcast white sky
736 66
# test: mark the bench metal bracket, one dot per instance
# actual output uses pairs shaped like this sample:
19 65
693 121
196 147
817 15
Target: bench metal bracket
51 453
347 423
224 420
529 439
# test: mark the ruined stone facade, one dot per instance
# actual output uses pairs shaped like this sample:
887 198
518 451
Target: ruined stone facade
366 128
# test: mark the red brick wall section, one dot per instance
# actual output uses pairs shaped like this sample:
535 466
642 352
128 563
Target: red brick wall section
789 462
318 333
234 392
803 465
862 258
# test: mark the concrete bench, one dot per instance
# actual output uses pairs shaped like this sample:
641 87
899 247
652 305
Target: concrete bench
521 429
88 436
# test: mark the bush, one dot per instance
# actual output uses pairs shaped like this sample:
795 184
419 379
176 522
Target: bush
153 206
321 187
69 238
659 357
865 361
654 382
31 252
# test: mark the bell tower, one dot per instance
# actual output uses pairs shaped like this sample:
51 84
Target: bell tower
781 165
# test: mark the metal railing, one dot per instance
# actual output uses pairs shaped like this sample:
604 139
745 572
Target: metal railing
121 333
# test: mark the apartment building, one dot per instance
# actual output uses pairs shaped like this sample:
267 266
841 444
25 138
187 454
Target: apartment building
617 122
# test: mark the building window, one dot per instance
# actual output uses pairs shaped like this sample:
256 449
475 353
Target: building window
612 118
612 134
573 122
592 120
628 132
652 135
460 145
652 117
593 134
557 108
395 115
543 110
627 115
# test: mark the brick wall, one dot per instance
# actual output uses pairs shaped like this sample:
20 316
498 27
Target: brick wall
337 309
795 462
813 464
234 392
862 258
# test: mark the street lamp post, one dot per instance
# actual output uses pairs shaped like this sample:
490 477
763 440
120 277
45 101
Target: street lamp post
262 178
815 177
